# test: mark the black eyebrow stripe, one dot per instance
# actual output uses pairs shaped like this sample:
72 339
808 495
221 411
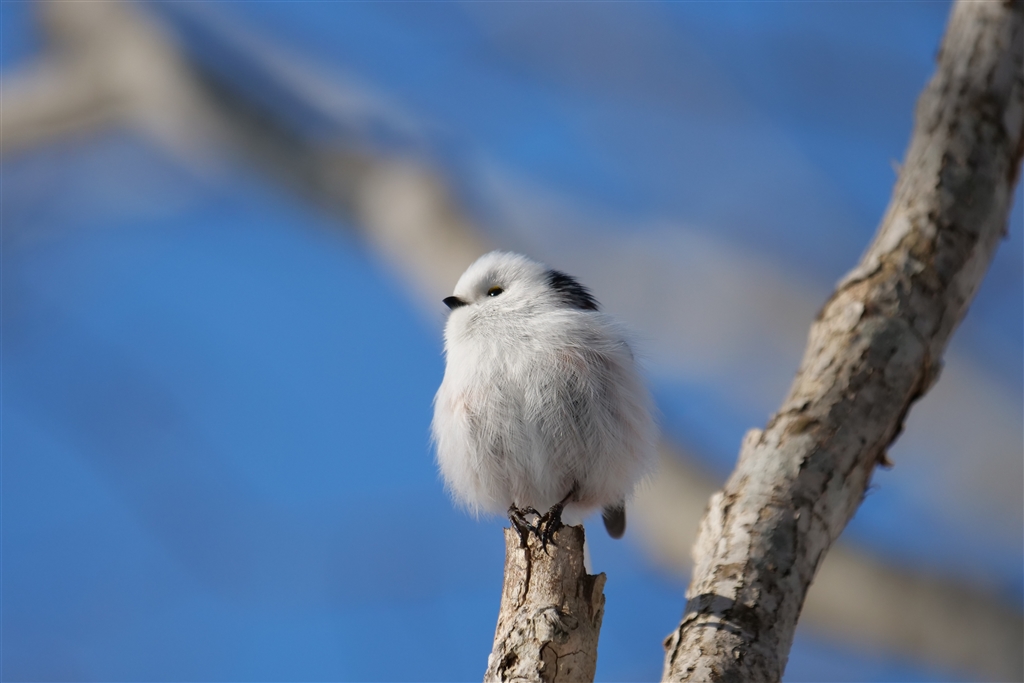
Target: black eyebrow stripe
571 291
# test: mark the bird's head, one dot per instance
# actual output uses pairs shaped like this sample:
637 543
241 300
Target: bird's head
499 282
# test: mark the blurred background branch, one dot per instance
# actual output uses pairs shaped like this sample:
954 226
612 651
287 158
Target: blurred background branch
376 170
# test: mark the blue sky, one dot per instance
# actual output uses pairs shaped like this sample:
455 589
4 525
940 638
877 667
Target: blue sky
216 398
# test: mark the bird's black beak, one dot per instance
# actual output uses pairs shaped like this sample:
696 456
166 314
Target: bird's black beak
453 302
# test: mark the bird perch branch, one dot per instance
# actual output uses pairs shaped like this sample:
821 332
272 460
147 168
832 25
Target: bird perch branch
875 348
411 217
551 612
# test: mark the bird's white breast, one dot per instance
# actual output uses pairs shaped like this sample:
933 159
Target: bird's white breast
530 404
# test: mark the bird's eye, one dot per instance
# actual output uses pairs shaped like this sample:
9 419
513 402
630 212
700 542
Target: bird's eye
494 291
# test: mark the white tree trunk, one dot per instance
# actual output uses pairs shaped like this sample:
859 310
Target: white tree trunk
551 612
875 348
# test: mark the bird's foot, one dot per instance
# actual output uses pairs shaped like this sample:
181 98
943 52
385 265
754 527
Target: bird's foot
551 521
521 524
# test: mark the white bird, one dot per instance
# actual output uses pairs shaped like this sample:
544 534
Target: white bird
542 406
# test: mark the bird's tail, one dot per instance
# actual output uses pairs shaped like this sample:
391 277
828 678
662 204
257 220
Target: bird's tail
614 517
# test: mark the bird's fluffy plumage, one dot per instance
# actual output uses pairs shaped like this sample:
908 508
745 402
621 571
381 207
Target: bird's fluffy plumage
540 390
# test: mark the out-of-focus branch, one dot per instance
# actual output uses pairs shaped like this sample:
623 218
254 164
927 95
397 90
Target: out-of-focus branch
875 349
551 612
106 65
408 213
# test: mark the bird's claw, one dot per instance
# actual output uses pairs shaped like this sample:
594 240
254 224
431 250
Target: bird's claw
550 523
547 525
521 524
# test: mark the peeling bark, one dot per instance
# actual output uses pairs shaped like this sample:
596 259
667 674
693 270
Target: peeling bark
856 599
875 348
551 612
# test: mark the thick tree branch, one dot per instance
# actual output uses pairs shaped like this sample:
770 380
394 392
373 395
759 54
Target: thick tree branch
410 216
875 349
855 599
551 612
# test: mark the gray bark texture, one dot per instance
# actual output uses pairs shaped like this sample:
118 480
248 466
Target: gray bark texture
551 612
875 348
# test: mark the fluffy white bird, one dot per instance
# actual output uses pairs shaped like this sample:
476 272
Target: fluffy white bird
542 406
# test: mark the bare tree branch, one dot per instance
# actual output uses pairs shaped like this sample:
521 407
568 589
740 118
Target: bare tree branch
855 598
551 612
410 216
106 65
875 349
